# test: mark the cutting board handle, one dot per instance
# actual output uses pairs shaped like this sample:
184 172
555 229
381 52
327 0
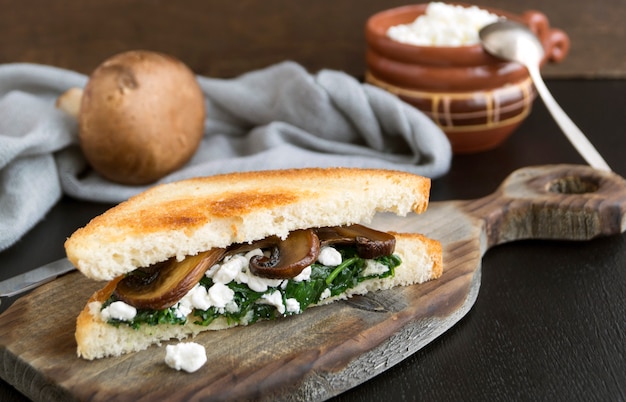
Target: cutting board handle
566 202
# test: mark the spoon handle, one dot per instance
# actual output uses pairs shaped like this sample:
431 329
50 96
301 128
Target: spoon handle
571 131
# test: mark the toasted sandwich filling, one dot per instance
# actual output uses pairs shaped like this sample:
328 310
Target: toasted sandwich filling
231 290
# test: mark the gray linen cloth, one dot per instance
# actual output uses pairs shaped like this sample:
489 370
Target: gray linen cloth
273 118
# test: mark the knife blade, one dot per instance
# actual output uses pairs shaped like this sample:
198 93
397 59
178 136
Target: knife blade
34 278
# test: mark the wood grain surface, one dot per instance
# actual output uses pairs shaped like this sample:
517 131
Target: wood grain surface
224 39
328 349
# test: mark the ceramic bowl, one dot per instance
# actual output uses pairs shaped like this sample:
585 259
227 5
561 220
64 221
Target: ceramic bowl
478 100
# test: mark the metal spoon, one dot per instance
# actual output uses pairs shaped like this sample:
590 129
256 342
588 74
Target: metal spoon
513 41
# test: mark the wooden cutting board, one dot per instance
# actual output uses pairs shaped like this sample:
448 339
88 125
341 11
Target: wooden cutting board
328 349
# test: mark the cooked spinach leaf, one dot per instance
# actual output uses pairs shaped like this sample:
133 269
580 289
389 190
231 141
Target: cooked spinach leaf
149 317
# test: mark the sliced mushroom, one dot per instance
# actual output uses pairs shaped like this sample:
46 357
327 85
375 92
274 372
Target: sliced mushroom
288 257
370 243
162 285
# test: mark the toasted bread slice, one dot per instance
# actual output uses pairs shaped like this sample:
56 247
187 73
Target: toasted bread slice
195 215
421 261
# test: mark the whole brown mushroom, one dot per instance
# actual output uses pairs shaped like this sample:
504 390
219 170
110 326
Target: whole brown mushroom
141 116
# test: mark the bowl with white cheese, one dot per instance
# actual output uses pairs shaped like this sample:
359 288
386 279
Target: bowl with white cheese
431 57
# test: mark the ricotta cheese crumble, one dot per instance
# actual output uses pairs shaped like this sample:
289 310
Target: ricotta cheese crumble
187 356
444 25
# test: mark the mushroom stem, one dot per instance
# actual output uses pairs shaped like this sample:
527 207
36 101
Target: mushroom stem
69 101
288 257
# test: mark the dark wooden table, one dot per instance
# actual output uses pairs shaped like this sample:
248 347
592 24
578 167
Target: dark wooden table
550 319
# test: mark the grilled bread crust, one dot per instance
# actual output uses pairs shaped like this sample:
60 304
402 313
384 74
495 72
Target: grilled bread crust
421 261
190 216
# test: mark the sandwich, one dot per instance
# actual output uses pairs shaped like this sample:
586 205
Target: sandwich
215 252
